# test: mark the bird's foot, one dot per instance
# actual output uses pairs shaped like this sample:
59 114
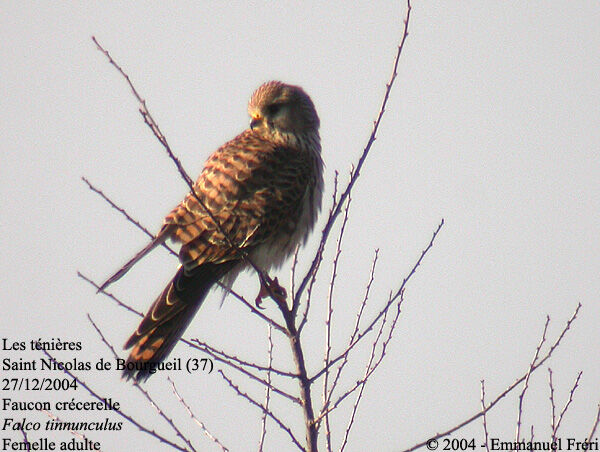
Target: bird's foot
270 288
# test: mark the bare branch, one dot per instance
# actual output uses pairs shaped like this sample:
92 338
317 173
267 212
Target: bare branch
505 392
146 114
296 301
75 433
109 295
25 439
120 412
391 300
195 419
337 207
253 309
293 269
248 374
211 350
370 369
264 409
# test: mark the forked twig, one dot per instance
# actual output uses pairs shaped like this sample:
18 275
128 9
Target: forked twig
505 392
264 409
120 412
387 306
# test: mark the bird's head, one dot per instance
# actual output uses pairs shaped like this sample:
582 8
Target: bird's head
280 112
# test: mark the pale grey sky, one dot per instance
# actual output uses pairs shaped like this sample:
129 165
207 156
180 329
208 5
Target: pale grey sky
494 125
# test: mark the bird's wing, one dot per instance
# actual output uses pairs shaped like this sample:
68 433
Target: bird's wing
252 188
158 240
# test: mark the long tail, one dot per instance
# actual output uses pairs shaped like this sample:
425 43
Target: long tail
168 317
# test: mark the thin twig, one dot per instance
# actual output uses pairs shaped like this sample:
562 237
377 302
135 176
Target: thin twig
194 418
25 439
566 407
268 368
126 215
263 421
485 429
391 300
363 304
336 259
526 384
532 435
249 374
552 403
110 295
75 433
253 309
293 269
314 273
594 426
370 369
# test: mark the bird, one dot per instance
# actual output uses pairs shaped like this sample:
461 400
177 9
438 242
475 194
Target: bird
257 198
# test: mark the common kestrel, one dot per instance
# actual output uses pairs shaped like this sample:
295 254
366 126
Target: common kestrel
264 190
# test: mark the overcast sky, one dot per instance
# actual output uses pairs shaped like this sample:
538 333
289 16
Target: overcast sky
493 125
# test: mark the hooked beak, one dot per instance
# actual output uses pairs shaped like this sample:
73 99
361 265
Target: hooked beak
256 120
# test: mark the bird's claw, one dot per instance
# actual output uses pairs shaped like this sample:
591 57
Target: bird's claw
270 287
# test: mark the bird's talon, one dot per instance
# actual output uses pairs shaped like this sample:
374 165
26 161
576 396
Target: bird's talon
277 290
258 302
270 288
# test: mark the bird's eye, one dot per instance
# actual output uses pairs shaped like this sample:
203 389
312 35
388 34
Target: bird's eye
273 109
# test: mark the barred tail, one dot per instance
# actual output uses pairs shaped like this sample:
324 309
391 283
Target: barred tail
168 318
